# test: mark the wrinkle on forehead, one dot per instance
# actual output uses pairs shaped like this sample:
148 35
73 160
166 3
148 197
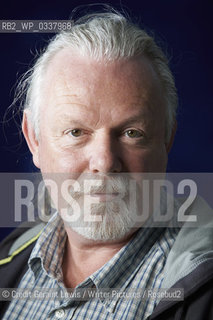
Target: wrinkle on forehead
74 79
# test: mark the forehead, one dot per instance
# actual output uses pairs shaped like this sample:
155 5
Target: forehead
125 82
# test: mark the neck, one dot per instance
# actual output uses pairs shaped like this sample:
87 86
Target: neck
82 257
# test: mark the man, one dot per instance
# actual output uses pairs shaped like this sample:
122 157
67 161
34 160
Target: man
100 106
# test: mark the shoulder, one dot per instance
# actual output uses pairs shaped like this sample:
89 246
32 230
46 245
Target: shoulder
19 239
15 250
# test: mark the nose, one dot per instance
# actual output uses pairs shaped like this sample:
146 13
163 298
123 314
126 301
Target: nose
104 155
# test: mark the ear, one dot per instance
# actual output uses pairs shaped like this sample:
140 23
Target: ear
29 134
170 143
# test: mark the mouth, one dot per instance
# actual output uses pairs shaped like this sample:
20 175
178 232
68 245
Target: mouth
104 197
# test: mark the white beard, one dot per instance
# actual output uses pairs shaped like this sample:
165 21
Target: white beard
114 225
117 218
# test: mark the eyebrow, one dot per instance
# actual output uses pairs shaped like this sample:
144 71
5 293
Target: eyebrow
135 118
139 118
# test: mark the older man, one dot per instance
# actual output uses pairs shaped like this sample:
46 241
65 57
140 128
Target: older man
101 102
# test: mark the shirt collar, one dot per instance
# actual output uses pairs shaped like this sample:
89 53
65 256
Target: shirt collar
119 271
48 251
129 257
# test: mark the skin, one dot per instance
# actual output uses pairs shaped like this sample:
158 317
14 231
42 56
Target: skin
98 117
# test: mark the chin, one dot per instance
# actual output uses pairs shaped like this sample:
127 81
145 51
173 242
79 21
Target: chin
115 224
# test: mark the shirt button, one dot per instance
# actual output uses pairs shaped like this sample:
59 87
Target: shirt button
59 313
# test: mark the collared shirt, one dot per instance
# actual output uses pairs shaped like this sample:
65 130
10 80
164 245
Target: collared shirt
138 265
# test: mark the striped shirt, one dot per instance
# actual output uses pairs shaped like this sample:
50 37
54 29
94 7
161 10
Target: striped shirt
138 265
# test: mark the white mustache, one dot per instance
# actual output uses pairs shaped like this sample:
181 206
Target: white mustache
113 185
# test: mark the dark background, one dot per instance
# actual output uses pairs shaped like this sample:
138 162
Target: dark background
184 27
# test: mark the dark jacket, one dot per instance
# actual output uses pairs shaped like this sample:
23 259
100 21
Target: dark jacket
13 259
189 266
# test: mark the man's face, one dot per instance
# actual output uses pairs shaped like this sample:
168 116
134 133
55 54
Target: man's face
100 118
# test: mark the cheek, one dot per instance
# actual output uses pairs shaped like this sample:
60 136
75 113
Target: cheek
147 160
55 160
157 160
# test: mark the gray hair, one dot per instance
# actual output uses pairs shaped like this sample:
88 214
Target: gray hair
109 36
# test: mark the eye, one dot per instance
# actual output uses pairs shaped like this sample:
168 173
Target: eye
75 132
132 133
